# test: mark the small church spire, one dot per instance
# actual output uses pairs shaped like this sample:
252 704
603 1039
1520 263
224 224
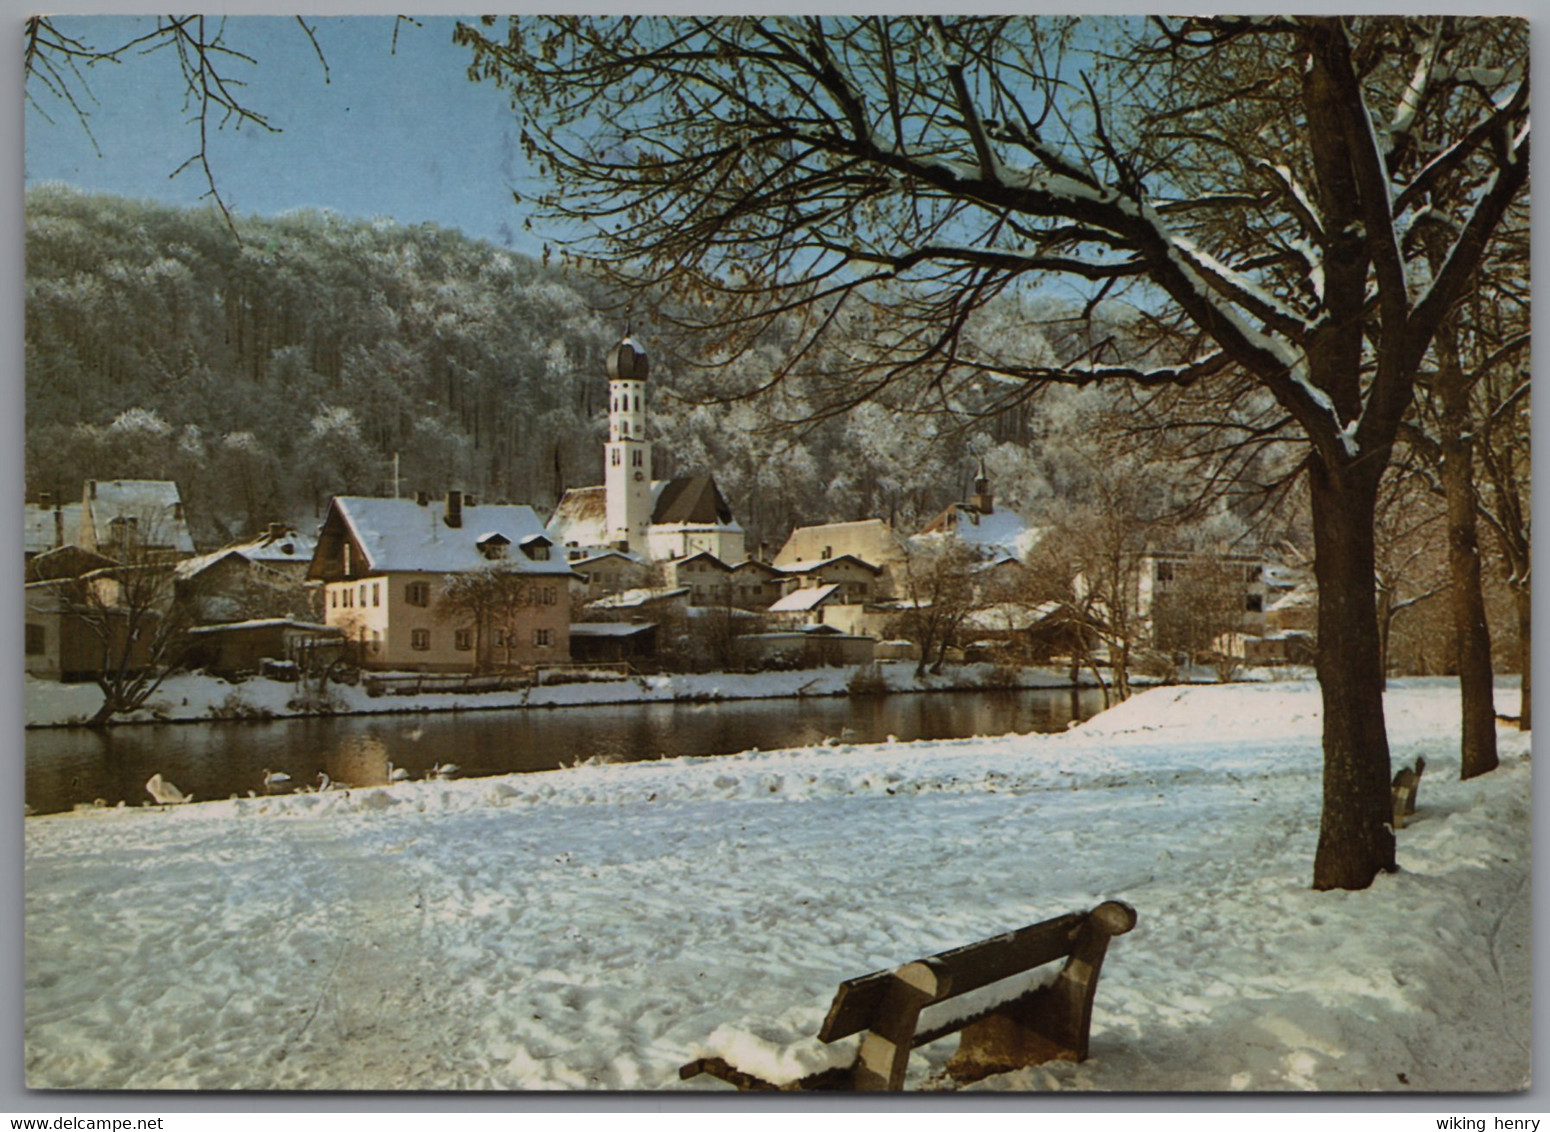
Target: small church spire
981 500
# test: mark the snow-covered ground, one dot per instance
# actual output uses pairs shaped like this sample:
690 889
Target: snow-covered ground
594 928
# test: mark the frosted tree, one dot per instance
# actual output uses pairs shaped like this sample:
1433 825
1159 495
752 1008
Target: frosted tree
1248 183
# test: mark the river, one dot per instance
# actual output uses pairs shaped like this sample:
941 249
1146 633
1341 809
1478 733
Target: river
66 767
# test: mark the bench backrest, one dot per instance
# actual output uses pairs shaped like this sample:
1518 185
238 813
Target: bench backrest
887 1004
963 969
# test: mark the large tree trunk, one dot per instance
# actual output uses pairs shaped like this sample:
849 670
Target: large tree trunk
1356 840
1472 635
1471 632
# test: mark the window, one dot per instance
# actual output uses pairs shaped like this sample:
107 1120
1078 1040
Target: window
333 599
543 638
376 640
376 593
613 457
493 550
500 638
637 402
37 638
1164 572
464 640
1253 573
538 551
635 457
363 595
1254 603
420 640
418 593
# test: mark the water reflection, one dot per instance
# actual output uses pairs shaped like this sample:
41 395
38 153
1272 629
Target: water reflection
216 760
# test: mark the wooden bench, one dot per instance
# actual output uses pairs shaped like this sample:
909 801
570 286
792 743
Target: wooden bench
1045 1024
1406 782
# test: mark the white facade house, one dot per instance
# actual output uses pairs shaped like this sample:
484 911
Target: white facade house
385 563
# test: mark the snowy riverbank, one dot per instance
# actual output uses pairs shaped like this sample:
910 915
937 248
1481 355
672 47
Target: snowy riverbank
196 696
593 928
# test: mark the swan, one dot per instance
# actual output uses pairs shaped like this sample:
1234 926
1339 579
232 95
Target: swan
276 779
326 783
165 793
416 735
397 773
445 770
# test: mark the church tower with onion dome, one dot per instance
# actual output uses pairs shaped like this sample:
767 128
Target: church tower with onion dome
627 467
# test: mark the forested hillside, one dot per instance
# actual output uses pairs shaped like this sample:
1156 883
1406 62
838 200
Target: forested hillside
267 373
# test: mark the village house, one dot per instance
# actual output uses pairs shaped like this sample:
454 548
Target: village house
50 525
607 572
127 519
706 577
1177 590
385 565
755 585
79 622
856 581
261 577
654 520
871 540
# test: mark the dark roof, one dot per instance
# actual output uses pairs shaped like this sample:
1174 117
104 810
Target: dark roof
692 499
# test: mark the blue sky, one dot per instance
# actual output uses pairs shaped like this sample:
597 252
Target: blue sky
402 133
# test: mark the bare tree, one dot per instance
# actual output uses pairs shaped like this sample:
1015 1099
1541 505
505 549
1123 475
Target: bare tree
1410 571
56 61
1201 613
937 595
492 602
138 631
1249 178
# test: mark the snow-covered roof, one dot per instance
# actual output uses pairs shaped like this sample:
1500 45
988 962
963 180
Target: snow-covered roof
796 568
155 506
800 601
1001 534
48 528
630 599
872 540
581 517
1009 616
610 628
267 623
402 534
193 567
277 545
1303 597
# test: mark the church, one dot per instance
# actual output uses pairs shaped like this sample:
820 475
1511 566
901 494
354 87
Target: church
654 520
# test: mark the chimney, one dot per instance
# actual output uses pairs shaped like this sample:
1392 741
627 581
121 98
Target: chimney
45 499
454 515
423 498
468 501
91 489
276 531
